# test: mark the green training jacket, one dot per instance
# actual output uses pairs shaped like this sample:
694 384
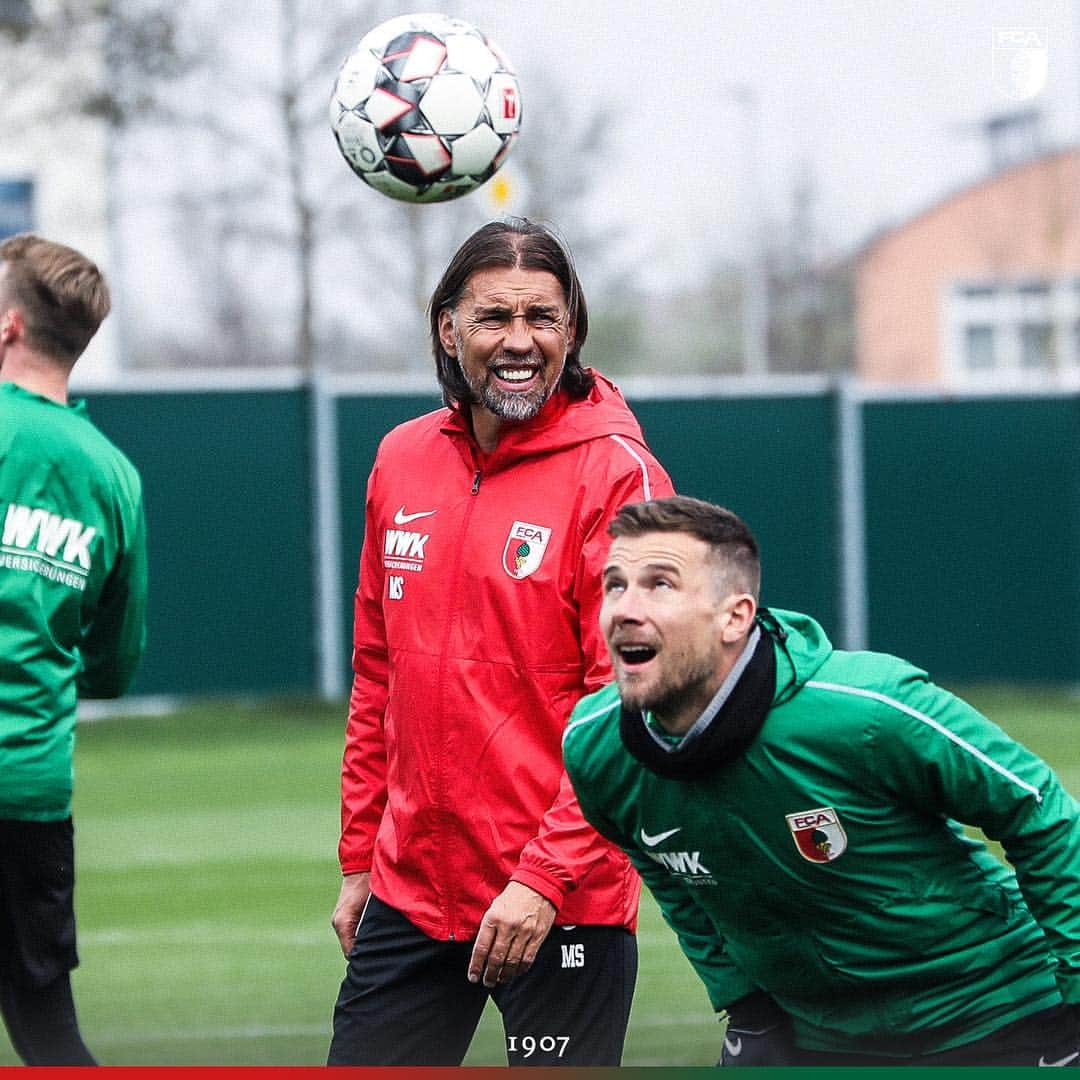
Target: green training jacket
828 867
72 590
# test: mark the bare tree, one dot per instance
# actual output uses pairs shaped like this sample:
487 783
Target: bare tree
67 67
252 135
105 58
811 317
563 153
340 271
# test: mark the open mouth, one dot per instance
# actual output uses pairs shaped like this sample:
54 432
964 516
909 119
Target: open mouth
515 375
635 656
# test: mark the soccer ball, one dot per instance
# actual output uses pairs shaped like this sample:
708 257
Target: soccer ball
425 108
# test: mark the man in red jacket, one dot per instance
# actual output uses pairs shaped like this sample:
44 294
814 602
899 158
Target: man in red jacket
469 871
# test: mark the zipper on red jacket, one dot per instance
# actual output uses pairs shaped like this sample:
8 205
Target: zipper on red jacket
440 777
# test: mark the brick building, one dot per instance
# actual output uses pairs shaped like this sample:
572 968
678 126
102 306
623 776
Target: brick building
980 290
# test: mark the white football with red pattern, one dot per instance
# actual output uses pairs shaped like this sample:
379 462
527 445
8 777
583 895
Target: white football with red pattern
425 108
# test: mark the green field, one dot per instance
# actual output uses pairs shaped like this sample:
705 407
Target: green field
207 872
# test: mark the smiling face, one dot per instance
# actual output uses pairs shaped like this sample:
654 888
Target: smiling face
510 333
672 635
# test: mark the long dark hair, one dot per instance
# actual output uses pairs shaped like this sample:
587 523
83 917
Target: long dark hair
513 242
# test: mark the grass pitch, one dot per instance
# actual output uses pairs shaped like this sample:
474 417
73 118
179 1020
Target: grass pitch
207 872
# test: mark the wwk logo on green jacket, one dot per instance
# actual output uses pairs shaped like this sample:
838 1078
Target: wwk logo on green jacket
33 538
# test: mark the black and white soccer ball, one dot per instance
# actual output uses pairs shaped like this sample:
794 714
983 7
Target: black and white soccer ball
425 108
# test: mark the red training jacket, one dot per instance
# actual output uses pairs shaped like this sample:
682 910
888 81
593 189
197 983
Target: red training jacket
476 633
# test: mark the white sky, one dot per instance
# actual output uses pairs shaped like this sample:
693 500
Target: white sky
880 99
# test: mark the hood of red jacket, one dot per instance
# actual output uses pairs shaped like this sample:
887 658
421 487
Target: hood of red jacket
561 423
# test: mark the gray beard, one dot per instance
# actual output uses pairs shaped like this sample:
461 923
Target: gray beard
510 406
505 404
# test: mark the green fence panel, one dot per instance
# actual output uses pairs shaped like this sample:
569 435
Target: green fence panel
972 519
771 460
973 545
228 511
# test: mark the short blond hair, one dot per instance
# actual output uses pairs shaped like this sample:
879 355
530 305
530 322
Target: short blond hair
62 295
734 549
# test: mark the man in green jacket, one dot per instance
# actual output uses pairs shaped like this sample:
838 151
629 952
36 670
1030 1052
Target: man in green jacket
796 812
72 621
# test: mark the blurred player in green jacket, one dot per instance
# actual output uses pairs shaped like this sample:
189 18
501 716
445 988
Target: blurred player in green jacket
795 810
72 621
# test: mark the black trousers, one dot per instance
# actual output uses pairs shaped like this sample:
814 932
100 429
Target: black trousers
1049 1037
406 1000
37 941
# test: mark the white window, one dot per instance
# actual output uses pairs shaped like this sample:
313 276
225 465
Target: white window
979 347
1037 352
1022 330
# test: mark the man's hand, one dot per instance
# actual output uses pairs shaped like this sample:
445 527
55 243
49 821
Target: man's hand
511 932
355 890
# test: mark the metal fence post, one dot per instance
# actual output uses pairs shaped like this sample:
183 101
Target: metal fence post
330 681
852 513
